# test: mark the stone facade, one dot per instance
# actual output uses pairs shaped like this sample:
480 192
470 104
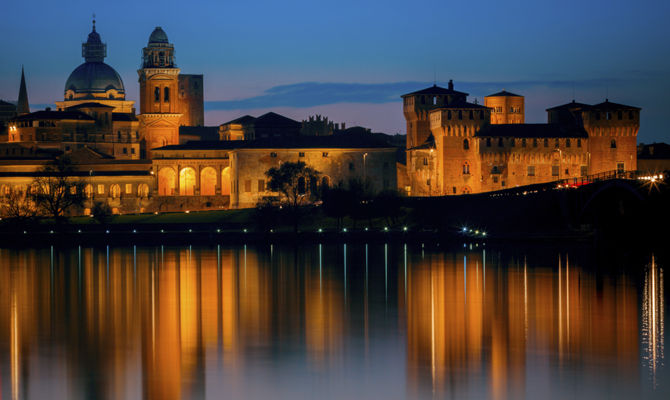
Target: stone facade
469 148
191 100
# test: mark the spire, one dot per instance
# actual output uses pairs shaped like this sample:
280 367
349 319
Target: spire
22 106
94 50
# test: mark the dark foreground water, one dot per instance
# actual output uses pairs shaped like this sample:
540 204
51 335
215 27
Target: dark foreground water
332 321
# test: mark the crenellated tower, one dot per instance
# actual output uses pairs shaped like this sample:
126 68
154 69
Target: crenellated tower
160 111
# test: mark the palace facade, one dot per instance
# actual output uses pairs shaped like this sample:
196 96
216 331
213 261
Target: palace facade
457 147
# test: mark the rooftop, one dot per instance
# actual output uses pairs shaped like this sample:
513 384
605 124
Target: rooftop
504 93
532 131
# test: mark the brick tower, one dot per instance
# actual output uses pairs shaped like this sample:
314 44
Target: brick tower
160 111
506 107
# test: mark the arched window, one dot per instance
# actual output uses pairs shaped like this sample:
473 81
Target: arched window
143 190
225 182
166 181
88 190
187 182
157 94
466 190
613 144
466 144
166 95
115 191
207 181
466 168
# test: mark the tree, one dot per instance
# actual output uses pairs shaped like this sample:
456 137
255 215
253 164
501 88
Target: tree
55 191
102 212
291 181
17 206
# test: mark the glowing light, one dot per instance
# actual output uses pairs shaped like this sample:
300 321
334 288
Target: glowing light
218 231
134 230
344 229
320 230
244 230
107 231
190 230
386 229
187 212
404 228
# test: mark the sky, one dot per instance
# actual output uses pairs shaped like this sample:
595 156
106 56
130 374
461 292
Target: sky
351 60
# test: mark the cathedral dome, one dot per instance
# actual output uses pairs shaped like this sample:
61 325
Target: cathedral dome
158 36
94 78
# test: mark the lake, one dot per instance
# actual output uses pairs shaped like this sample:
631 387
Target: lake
373 321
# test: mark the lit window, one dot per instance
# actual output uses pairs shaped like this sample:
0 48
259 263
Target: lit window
101 189
129 188
466 168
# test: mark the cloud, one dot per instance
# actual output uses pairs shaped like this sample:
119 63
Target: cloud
311 94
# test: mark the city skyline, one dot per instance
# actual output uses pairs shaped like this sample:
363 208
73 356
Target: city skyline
361 59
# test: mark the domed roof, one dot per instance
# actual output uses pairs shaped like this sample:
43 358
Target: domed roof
94 37
158 36
94 77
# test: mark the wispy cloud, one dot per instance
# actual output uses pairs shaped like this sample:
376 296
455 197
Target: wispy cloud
310 94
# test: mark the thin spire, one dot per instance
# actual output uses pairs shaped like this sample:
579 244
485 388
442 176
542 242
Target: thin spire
22 106
93 22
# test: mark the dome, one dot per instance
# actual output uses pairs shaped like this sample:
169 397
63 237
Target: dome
158 36
94 37
94 77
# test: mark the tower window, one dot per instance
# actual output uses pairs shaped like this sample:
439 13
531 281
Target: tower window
488 142
523 142
546 142
466 168
425 161
531 170
166 95
613 144
157 94
500 142
608 115
466 144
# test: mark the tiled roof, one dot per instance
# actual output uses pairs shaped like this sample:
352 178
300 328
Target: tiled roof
435 90
504 93
90 104
58 115
352 141
247 119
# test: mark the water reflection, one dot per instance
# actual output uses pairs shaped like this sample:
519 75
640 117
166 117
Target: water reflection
345 321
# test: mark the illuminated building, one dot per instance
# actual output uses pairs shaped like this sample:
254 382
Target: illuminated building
457 147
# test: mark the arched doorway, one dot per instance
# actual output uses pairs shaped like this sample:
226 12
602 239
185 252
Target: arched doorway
166 181
225 182
208 182
187 182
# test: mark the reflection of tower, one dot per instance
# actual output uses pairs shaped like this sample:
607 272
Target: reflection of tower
653 310
159 102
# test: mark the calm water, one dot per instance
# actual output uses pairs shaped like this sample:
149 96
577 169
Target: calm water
331 321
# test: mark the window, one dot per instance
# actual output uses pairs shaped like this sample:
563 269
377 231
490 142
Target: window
125 150
425 161
488 142
583 170
247 186
567 142
631 115
101 189
620 167
557 143
466 144
143 190
157 94
132 150
579 142
73 190
554 170
500 142
613 144
129 188
261 185
273 155
88 190
495 179
166 95
466 168
608 115
301 154
511 142
115 191
453 189
523 142
495 170
531 170
534 142
324 154
546 142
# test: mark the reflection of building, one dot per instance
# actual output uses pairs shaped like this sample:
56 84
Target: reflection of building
468 318
457 147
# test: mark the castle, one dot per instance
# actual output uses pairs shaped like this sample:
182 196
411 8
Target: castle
456 147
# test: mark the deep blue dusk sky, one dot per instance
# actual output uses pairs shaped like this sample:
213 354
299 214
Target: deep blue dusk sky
351 60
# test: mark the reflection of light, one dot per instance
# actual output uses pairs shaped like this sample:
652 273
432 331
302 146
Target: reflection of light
14 349
652 318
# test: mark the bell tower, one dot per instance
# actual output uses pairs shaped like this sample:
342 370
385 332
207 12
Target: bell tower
159 101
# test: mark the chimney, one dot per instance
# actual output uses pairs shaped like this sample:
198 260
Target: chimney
451 84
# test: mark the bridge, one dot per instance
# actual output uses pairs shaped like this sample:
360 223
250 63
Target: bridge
612 202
